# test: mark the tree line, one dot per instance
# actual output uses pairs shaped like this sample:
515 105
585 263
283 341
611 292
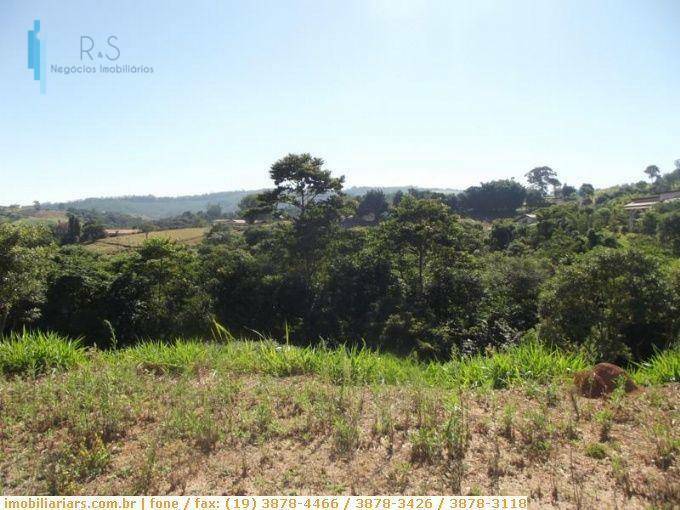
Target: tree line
423 275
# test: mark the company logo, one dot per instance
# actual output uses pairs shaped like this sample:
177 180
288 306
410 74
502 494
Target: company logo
37 56
98 57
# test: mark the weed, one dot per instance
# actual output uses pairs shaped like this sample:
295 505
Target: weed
574 406
345 435
426 445
667 445
536 432
605 418
508 421
596 451
621 474
384 421
65 464
551 397
399 476
143 481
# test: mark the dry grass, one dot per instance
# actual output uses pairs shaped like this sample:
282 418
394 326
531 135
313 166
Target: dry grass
106 427
189 236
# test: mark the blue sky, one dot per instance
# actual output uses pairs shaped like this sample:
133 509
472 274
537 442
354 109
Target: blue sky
389 92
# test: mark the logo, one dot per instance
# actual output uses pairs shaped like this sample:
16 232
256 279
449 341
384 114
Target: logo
36 56
95 59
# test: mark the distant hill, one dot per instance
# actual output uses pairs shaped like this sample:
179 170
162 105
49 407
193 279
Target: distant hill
150 206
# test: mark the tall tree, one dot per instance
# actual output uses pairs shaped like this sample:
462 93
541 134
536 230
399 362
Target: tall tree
301 182
312 198
24 263
653 172
503 196
373 202
586 190
416 228
541 177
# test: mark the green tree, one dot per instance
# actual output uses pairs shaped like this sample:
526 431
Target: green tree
417 228
669 231
156 293
534 198
373 202
251 208
586 190
567 191
92 231
312 199
541 177
503 196
25 262
76 291
300 182
213 212
617 303
653 173
73 230
501 235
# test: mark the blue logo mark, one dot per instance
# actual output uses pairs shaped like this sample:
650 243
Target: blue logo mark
36 55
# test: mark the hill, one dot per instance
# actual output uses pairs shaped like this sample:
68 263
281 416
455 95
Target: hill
154 207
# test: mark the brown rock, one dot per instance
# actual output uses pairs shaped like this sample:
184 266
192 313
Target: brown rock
602 379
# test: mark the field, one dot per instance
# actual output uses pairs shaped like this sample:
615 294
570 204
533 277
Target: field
43 217
240 417
190 236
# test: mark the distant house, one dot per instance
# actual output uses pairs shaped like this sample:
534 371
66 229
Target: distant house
359 221
114 232
645 203
231 221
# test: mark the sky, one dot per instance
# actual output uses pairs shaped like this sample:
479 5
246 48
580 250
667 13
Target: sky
434 93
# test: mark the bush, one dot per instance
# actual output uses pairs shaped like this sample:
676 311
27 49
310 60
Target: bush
616 303
37 353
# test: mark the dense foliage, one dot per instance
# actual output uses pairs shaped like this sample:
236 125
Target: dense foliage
418 272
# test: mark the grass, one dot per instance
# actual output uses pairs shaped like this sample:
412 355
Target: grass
38 353
596 451
663 367
527 362
258 417
190 236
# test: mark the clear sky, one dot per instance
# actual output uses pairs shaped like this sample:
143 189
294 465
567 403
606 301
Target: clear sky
388 92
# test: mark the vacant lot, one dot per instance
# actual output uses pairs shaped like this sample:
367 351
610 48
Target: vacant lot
190 236
260 418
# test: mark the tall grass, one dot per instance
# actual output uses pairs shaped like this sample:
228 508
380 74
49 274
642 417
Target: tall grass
529 361
38 352
663 367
